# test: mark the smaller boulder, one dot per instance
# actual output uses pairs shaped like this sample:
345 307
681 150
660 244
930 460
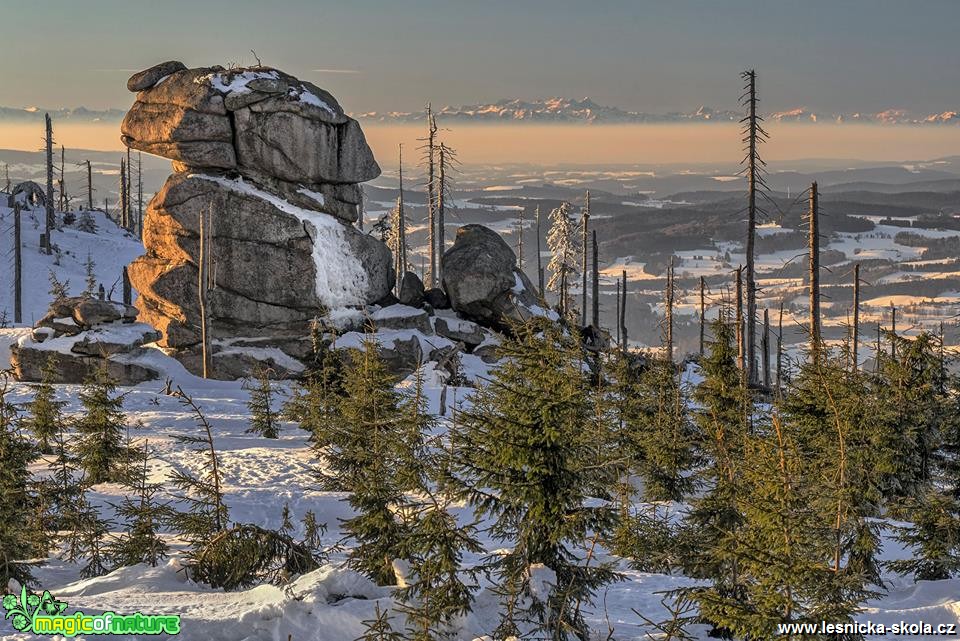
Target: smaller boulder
149 77
466 332
411 290
481 278
89 312
106 340
402 317
436 298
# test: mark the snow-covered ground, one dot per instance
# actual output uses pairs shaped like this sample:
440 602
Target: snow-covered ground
110 249
329 604
261 475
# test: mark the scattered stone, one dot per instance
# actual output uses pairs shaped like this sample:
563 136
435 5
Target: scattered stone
466 332
437 298
402 317
411 290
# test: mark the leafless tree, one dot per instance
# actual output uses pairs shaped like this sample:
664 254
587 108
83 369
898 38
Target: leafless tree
813 242
50 222
753 135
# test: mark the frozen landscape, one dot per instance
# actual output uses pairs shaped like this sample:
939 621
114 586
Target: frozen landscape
352 322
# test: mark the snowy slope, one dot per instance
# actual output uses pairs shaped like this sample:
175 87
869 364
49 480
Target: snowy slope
110 248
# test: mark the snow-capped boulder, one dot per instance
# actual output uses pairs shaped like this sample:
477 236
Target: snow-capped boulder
256 119
114 346
402 317
456 329
481 278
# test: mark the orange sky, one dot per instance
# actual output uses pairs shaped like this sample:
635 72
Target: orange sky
585 144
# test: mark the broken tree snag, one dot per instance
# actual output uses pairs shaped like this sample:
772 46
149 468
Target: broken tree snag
814 260
855 338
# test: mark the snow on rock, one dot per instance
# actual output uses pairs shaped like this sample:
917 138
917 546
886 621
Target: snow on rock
341 278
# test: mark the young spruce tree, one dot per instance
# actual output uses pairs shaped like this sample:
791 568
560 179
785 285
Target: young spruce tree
101 429
527 465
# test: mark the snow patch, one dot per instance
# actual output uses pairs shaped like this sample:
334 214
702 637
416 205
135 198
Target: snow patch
341 280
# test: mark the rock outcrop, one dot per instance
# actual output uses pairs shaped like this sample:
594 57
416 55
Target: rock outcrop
481 278
272 164
82 335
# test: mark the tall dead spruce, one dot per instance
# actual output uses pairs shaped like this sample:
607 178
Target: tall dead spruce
753 135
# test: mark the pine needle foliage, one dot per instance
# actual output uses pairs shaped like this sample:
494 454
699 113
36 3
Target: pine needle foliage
18 540
44 413
527 464
933 536
264 417
144 515
101 428
361 454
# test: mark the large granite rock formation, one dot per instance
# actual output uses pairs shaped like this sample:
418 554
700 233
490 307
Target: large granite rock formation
274 165
481 278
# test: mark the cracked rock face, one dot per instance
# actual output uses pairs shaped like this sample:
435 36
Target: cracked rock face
274 164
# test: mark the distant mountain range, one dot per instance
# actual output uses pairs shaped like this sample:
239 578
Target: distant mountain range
550 110
586 111
74 114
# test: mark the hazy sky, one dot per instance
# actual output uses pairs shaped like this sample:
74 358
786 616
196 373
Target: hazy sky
830 55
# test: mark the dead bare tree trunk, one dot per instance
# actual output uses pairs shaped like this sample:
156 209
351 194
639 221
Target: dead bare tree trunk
623 312
596 282
617 323
431 196
127 288
63 180
17 265
741 352
540 273
6 171
124 211
703 311
856 317
585 222
441 196
401 230
668 315
754 135
129 192
814 260
765 345
49 204
89 187
520 239
201 294
780 350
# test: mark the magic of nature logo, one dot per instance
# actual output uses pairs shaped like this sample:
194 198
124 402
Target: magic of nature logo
43 614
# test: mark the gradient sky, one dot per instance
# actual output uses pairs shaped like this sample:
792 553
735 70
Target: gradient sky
830 55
